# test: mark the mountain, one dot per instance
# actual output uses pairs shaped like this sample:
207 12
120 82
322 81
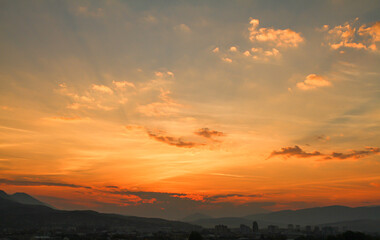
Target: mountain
369 226
232 222
356 219
27 199
320 215
22 198
3 195
14 214
195 217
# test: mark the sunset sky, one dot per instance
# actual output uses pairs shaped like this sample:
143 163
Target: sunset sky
167 108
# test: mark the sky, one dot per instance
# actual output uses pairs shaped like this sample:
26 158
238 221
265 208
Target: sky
168 108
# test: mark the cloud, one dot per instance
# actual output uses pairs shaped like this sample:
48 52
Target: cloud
150 19
123 84
183 28
134 127
115 95
85 11
39 183
102 88
234 198
172 198
233 49
294 151
349 35
247 53
266 44
166 107
263 55
66 119
91 99
323 138
227 60
207 133
353 154
278 37
178 142
258 54
313 81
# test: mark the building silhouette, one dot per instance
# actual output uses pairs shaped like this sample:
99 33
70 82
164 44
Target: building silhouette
255 227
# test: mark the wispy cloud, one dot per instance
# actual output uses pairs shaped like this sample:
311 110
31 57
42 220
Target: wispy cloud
87 12
174 141
166 107
39 183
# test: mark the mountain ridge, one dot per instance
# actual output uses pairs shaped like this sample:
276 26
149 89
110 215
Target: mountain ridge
27 216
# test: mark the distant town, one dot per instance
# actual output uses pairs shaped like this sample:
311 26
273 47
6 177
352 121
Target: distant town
22 217
219 232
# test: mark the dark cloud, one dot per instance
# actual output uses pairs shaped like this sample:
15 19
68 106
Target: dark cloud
38 183
112 187
179 205
323 138
224 196
294 151
298 152
178 142
207 133
353 154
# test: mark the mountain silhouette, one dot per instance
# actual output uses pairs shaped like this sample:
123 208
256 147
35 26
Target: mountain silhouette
357 219
195 217
22 198
14 214
320 215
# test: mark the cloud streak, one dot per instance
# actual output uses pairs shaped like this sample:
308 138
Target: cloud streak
296 151
174 141
354 154
39 183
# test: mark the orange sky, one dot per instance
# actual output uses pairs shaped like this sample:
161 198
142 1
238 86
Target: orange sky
166 109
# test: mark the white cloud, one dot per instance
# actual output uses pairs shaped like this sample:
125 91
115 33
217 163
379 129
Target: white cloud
350 36
183 28
226 59
102 88
313 81
85 11
215 50
279 37
233 49
123 84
